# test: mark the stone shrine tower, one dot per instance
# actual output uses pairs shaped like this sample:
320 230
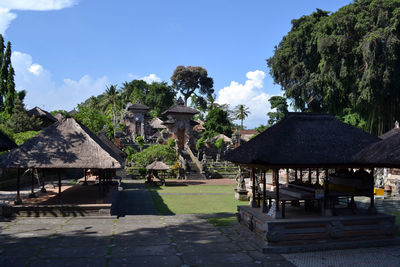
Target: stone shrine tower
179 123
134 119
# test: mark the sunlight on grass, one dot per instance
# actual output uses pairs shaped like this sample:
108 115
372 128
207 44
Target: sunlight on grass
397 214
195 204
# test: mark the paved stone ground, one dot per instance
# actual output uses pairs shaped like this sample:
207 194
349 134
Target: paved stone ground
134 200
142 240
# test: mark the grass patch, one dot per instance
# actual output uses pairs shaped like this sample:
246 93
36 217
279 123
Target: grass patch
222 221
397 214
194 204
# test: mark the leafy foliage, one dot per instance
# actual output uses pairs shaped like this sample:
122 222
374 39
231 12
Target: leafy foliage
217 121
278 103
130 151
19 121
171 143
345 63
261 128
153 153
219 144
20 138
241 112
201 142
94 119
191 80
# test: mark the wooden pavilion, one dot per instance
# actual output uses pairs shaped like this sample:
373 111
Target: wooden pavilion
157 166
325 147
67 144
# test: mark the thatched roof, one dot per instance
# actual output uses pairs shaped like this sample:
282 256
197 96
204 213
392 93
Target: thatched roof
6 143
226 138
65 144
304 140
40 113
199 127
180 109
392 132
103 137
158 166
156 123
137 107
385 153
59 116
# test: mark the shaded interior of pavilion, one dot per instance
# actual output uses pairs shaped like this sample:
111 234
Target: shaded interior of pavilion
318 168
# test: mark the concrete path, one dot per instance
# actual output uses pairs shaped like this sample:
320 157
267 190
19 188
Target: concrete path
134 200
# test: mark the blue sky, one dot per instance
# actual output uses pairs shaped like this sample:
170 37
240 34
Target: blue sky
64 51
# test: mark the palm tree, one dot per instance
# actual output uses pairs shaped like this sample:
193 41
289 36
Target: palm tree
241 112
111 99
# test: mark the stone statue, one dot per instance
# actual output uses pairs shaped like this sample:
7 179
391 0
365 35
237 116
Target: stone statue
379 182
396 191
241 184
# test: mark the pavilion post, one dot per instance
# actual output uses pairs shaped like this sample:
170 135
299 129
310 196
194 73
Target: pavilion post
59 186
253 189
264 207
43 190
317 176
273 177
295 175
85 175
32 194
287 177
371 208
277 213
327 210
309 175
301 175
18 199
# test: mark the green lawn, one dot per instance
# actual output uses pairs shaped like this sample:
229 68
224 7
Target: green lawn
198 204
397 214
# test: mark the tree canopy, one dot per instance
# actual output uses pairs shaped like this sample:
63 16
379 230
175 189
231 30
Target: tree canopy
278 103
344 63
191 80
217 121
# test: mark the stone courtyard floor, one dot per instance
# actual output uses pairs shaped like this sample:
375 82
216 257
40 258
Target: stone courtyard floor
151 240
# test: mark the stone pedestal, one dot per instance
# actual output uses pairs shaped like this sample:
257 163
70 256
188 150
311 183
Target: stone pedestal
240 194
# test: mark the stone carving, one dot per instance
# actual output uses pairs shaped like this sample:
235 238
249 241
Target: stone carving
275 234
241 184
335 229
379 182
396 190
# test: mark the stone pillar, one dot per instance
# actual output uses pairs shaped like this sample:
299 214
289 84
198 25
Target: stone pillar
134 130
142 128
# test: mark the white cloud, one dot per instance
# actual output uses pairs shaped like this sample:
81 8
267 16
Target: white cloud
36 69
6 16
151 78
251 94
44 92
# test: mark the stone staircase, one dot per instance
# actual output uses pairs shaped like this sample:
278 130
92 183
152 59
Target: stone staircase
192 171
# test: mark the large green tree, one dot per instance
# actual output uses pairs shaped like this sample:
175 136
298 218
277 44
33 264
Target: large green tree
191 80
344 63
8 95
160 97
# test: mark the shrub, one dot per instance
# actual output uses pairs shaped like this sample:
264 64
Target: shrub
171 143
153 153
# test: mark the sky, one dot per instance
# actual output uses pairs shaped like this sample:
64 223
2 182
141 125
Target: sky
65 51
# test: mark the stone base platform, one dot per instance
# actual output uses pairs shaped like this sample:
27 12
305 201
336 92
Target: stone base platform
310 231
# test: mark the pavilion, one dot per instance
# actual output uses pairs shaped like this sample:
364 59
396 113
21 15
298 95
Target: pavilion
66 144
46 118
319 143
